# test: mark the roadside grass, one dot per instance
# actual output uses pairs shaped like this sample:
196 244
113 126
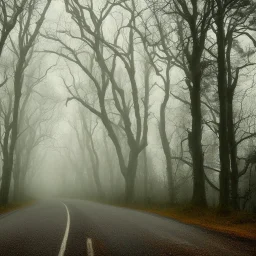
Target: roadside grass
234 223
14 206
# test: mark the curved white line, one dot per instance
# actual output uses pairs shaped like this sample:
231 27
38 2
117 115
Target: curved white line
90 251
65 238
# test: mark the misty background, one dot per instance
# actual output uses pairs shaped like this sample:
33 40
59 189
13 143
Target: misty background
129 101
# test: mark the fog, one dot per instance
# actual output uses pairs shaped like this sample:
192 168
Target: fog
128 102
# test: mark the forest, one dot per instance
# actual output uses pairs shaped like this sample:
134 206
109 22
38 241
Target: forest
127 101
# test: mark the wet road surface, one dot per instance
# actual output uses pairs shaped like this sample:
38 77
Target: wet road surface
75 227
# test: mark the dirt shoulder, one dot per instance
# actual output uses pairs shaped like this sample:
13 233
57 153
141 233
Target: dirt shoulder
236 223
14 206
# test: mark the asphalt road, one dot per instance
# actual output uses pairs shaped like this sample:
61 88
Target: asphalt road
74 227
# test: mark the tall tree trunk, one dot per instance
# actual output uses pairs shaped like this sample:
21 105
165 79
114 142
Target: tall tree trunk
222 93
231 86
22 188
94 158
110 165
164 138
3 190
194 72
195 145
131 176
8 164
8 151
26 41
129 171
195 137
16 179
98 183
16 187
145 171
233 153
167 153
95 167
5 185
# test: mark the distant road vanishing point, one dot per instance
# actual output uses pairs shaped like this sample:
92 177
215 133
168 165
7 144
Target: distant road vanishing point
75 227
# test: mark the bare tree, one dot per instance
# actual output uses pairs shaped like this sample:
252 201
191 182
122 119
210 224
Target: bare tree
154 51
34 128
10 11
85 137
27 36
106 54
228 16
193 19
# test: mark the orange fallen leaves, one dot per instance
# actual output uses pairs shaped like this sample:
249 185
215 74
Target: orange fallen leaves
235 223
14 206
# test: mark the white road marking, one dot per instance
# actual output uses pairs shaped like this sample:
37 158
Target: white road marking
90 251
65 238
